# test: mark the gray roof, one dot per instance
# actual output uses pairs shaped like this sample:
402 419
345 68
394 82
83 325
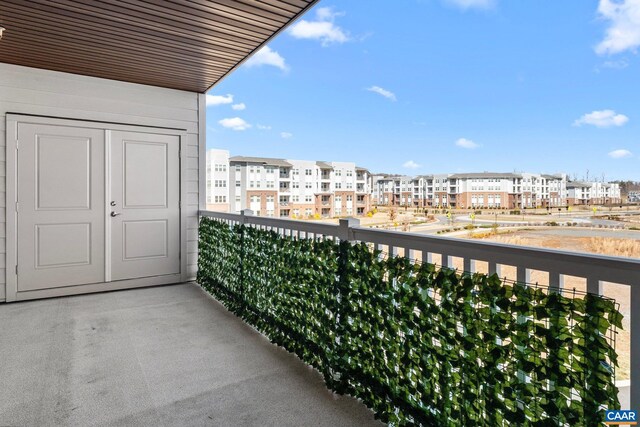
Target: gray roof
551 176
577 184
262 160
359 169
323 165
485 175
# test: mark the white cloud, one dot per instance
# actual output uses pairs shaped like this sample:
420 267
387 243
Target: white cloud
235 123
617 65
322 28
624 26
602 119
472 4
410 165
620 154
380 91
266 56
239 107
286 135
219 99
467 143
263 127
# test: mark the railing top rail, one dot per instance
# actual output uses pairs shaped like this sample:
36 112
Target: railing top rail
605 268
601 267
221 215
284 223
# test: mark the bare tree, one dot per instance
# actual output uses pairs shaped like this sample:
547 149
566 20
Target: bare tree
393 214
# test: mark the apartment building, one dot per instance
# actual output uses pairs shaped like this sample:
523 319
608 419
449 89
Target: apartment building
471 190
217 180
593 193
309 188
296 188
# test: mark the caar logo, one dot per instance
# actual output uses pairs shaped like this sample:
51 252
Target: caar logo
621 418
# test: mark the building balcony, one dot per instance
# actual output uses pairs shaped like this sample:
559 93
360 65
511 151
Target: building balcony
173 355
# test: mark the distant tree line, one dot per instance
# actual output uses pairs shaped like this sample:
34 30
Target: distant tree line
626 186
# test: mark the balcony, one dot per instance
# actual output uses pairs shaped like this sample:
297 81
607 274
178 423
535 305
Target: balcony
168 355
391 313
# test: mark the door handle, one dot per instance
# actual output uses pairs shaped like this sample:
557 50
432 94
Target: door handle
115 214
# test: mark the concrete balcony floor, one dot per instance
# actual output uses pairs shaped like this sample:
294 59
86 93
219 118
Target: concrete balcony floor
167 355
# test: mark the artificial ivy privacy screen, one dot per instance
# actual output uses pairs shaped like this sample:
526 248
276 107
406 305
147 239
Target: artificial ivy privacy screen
420 345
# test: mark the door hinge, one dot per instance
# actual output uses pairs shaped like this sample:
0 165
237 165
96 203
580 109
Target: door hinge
17 206
16 269
17 144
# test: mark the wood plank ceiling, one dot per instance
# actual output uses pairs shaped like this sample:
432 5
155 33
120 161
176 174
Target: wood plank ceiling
180 44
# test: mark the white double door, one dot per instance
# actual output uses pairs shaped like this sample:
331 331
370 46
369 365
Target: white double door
95 205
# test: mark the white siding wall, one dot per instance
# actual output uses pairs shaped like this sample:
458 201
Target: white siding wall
40 92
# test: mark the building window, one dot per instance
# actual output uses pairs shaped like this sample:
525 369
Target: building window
308 199
308 172
220 183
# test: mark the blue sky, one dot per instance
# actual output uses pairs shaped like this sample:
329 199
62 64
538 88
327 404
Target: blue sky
431 86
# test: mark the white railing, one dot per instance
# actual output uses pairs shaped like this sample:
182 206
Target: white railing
596 269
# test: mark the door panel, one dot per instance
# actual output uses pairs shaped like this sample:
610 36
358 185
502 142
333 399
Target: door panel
61 206
145 194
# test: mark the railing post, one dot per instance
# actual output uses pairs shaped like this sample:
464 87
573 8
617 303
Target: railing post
341 292
634 329
346 225
244 214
